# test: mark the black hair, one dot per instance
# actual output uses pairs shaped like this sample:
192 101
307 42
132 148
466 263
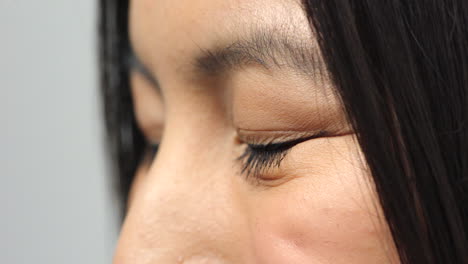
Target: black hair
401 70
126 143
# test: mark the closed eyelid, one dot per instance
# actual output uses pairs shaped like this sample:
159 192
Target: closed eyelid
273 136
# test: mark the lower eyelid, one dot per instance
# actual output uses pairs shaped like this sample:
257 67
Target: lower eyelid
258 163
269 177
277 175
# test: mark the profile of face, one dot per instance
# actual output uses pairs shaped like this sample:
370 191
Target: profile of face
256 161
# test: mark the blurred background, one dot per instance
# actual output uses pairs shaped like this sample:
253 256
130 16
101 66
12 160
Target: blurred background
55 191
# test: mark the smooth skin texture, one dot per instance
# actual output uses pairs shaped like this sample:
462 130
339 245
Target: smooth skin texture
192 203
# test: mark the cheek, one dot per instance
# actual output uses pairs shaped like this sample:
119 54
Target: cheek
328 216
300 231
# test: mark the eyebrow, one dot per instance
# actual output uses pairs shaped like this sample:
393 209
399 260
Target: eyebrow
267 48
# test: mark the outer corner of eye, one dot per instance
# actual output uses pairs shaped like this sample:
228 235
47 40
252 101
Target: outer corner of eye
238 140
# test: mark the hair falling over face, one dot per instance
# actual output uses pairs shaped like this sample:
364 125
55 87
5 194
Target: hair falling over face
288 132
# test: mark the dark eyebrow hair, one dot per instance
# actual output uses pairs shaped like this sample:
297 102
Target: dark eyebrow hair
267 48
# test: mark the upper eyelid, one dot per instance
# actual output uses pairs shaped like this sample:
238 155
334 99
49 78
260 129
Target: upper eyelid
289 143
265 137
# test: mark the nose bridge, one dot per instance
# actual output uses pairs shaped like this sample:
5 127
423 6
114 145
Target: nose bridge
184 212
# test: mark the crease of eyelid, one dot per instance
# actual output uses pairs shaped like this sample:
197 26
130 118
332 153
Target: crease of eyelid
253 137
265 137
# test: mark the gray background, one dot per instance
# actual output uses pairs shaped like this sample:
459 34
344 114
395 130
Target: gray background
55 193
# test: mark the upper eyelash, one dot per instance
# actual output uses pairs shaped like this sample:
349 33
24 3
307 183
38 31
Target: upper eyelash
257 158
151 151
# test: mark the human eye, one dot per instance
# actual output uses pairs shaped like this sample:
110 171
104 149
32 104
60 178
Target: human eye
259 159
152 150
148 108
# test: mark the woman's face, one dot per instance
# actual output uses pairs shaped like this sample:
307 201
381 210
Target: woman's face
237 79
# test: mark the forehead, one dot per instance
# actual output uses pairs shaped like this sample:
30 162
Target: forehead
168 32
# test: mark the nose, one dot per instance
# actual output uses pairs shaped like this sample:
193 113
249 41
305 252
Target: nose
185 209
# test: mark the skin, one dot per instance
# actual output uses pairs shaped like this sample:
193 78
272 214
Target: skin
192 204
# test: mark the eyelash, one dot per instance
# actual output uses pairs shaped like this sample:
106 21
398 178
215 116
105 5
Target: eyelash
258 158
152 150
